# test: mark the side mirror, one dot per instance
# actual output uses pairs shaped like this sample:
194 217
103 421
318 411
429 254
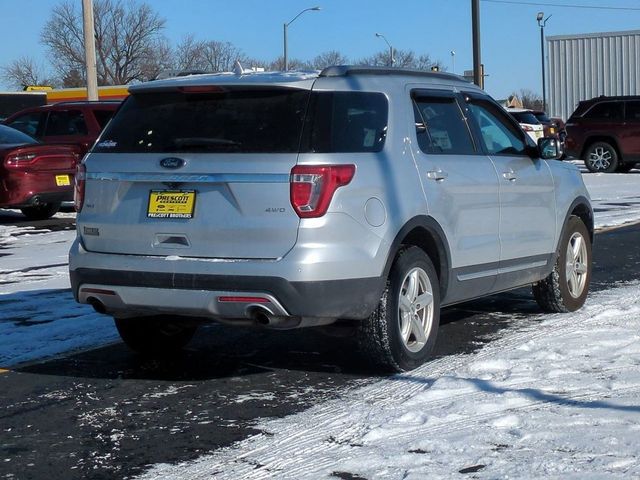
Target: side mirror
549 148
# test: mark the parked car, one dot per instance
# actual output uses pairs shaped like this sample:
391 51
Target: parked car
553 127
34 177
373 196
528 122
605 133
70 123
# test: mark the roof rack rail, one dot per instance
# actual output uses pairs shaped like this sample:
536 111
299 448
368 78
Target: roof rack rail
348 70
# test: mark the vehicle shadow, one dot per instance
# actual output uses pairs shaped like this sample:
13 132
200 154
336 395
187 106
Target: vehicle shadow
219 351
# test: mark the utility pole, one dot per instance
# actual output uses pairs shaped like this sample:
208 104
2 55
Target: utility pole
90 50
475 27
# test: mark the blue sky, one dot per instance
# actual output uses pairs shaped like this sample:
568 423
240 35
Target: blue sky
510 35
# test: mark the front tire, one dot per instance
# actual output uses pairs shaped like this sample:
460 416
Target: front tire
601 157
41 212
401 333
154 335
566 288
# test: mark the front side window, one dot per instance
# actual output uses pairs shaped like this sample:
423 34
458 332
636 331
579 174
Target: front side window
440 126
66 122
606 111
499 135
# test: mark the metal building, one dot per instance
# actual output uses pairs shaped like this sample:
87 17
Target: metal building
589 65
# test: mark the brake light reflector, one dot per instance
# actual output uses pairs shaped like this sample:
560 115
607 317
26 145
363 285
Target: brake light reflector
78 192
312 187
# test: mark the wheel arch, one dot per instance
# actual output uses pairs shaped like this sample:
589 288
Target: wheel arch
602 138
580 208
425 233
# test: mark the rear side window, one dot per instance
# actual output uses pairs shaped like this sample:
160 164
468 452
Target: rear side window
632 111
345 122
223 120
66 122
606 111
440 126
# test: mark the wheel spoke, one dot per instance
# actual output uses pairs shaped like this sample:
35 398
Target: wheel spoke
412 288
417 329
576 248
405 304
424 300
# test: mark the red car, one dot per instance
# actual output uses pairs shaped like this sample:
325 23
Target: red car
35 177
70 123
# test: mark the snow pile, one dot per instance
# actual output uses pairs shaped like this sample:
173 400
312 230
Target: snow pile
615 197
556 397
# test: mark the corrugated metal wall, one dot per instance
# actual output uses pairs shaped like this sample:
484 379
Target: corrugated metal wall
586 66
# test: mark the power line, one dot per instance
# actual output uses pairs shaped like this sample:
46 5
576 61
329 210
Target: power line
564 5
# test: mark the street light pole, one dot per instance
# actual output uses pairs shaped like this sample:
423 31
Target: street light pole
391 59
286 25
541 23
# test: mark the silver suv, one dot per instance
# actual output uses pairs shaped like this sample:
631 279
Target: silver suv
358 194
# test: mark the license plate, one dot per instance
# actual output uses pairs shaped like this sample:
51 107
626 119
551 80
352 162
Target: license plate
63 180
171 203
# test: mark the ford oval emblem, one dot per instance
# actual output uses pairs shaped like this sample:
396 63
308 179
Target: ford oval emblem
172 163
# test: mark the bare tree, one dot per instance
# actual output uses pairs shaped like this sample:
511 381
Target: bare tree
24 72
210 56
402 58
529 99
127 36
327 59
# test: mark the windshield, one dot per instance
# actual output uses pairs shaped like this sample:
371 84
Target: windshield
11 136
248 120
542 117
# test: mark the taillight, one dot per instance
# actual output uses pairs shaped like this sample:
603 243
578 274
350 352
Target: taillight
78 193
19 160
312 187
527 128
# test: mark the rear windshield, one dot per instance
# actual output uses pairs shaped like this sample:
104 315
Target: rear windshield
247 121
525 117
542 117
10 136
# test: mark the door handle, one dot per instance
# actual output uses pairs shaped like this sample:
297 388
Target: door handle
510 175
437 175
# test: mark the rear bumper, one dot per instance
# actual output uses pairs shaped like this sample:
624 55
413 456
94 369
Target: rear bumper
33 189
129 292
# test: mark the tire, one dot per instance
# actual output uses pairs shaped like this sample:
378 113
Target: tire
154 335
401 332
41 212
601 157
566 288
625 167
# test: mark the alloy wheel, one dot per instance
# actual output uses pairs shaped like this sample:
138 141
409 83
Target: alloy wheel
416 311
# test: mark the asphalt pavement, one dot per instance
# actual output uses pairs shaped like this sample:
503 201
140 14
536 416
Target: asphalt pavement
108 413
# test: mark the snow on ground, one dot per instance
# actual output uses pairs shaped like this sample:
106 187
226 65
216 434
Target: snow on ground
555 397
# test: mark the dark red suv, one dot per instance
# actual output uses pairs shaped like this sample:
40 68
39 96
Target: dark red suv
605 133
69 123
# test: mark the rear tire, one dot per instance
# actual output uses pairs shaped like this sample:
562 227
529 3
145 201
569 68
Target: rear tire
41 212
401 333
566 288
601 157
154 335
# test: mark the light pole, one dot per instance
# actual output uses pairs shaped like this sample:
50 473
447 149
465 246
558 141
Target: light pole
391 59
541 23
286 25
89 49
453 61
